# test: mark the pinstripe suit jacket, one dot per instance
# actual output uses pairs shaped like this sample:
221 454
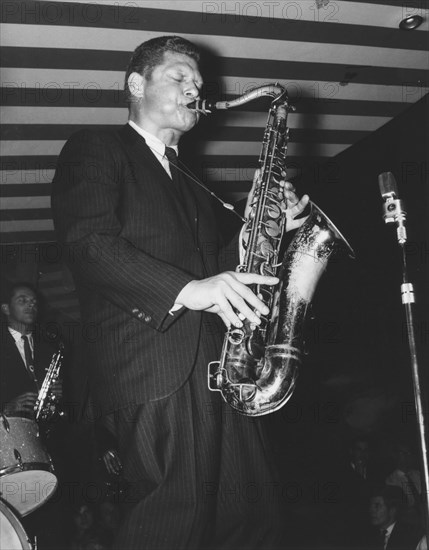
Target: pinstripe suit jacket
132 247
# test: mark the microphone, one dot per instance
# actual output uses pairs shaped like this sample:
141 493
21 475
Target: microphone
393 207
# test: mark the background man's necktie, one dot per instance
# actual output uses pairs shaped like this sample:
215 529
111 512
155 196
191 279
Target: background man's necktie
383 535
28 356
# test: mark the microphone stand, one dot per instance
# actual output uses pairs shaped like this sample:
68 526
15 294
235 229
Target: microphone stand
394 212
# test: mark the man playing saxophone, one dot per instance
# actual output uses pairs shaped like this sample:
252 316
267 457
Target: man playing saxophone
145 254
24 357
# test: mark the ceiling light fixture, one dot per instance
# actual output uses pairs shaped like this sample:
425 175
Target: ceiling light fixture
411 23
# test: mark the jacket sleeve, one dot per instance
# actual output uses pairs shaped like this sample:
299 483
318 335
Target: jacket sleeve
85 204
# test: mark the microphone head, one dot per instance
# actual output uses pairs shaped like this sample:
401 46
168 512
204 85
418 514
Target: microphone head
387 185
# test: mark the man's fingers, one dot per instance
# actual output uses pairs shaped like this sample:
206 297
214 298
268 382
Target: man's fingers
288 186
228 312
242 308
224 292
24 403
245 298
248 297
237 302
298 208
28 398
256 176
291 198
225 319
26 395
255 279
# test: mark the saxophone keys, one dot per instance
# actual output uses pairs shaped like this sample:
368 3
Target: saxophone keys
247 390
272 228
274 211
266 249
236 336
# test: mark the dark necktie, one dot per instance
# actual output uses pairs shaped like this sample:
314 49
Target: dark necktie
186 196
171 155
179 182
383 534
28 356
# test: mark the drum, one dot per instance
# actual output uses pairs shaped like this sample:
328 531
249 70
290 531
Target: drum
26 471
12 534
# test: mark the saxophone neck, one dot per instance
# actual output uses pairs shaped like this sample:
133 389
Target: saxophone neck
274 90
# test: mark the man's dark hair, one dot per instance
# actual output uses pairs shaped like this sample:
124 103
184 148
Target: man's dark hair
393 496
151 53
8 289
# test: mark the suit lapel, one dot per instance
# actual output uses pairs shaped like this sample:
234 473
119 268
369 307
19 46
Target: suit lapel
15 357
13 351
141 156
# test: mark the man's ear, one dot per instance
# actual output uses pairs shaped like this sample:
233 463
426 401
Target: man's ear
5 309
136 85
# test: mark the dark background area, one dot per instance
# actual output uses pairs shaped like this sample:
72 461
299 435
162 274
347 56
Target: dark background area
357 379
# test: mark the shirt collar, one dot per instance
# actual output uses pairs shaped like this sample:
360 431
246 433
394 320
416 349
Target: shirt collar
155 144
390 529
18 335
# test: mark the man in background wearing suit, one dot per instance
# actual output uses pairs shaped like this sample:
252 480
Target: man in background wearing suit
24 357
141 241
388 530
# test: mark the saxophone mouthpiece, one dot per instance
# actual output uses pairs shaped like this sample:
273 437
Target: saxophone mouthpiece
202 106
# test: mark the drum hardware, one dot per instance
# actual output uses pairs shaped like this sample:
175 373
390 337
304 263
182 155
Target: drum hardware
18 458
12 533
15 467
6 424
27 476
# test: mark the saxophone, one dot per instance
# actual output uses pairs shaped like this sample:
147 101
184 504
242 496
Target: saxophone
259 364
47 404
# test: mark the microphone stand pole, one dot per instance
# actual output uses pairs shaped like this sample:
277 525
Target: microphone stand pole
393 211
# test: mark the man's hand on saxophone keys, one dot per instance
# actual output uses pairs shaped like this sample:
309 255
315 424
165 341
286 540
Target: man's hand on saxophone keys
22 405
227 295
291 204
293 207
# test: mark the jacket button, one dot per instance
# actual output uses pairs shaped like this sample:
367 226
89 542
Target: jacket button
140 315
148 318
134 311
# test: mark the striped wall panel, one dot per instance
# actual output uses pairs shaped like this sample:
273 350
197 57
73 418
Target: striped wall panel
346 65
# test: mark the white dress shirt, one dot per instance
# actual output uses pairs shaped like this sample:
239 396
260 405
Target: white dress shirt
155 145
17 336
388 533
